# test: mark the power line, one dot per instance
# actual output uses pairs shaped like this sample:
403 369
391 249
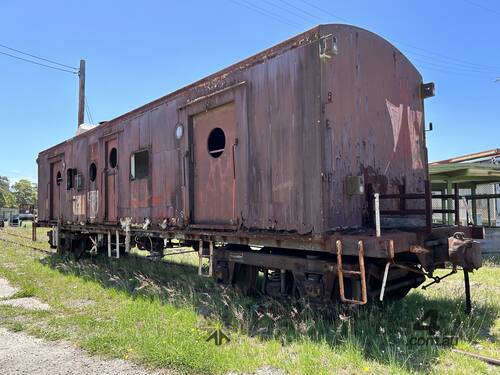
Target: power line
37 57
453 60
483 7
450 63
325 11
314 16
266 12
285 9
427 65
37 63
439 64
87 109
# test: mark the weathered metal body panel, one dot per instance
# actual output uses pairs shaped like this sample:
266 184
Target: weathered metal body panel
299 124
373 115
214 177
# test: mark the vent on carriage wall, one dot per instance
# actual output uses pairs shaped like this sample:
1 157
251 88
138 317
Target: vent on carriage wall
427 90
355 185
328 46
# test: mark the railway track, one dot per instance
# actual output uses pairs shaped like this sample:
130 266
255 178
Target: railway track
22 244
16 235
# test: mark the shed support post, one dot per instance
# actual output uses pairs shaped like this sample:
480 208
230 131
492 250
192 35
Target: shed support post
428 206
474 205
443 206
456 203
449 202
489 211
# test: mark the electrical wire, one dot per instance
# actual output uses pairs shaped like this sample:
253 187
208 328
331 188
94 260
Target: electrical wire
430 54
325 11
425 65
37 63
283 8
37 57
311 15
481 6
87 109
267 13
448 63
448 58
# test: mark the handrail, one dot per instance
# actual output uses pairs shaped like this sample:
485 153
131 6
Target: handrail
427 196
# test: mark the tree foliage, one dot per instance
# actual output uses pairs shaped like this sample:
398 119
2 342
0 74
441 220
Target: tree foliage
24 192
21 192
6 197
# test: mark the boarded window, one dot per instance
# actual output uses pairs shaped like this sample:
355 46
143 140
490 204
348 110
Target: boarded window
139 165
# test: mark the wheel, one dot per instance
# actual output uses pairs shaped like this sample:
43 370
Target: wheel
221 273
397 295
245 278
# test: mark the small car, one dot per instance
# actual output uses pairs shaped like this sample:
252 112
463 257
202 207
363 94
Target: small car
26 217
15 221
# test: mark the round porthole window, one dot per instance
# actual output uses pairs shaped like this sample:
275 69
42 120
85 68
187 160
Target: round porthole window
92 172
216 142
113 158
179 131
58 178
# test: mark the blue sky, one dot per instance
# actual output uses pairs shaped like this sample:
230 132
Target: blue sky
137 51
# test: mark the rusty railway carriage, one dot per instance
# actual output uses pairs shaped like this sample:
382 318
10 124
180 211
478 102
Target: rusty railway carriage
306 162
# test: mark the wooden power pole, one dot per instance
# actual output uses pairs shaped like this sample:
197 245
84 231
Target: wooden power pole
81 94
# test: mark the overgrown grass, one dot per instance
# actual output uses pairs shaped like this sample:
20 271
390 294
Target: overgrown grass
160 314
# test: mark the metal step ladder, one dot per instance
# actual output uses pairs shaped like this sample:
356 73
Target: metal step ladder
202 256
361 274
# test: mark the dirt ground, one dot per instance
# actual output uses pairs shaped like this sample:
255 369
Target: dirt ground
23 354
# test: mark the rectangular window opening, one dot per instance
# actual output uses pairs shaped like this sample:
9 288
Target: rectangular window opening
139 165
70 178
